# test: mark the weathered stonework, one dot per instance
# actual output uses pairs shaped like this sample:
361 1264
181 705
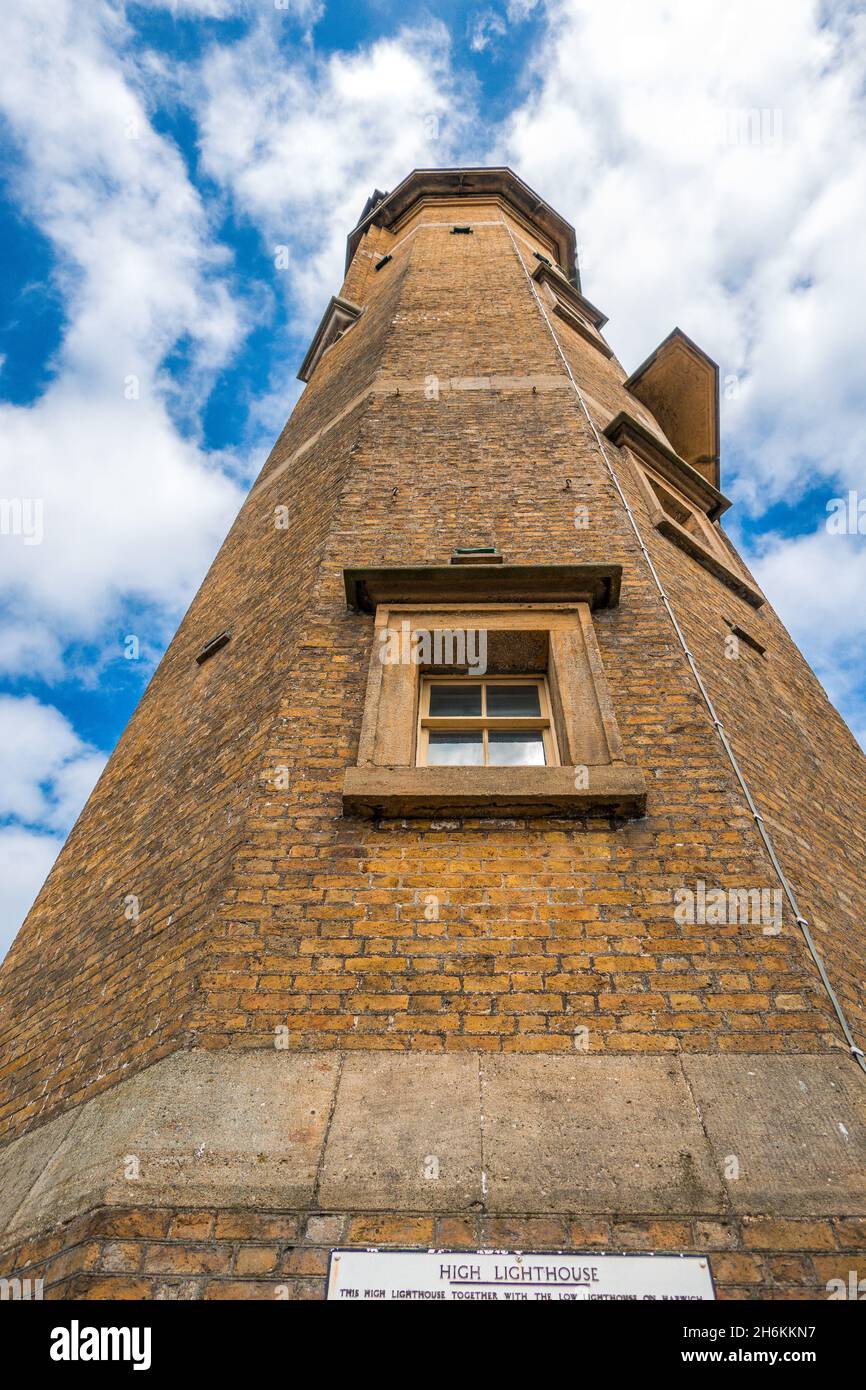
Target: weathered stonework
442 417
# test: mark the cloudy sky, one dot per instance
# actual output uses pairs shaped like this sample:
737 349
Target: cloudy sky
160 158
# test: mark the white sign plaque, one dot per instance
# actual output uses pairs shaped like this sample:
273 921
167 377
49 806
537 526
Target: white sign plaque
507 1277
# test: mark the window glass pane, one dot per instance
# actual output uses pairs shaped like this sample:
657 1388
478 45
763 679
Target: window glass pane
454 701
516 748
513 701
456 748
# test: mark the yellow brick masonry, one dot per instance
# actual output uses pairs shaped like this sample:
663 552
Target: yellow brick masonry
262 907
543 928
443 418
193 1253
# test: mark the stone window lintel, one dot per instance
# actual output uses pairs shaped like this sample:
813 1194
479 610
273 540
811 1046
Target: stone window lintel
368 587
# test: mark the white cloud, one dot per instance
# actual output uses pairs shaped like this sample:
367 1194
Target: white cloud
27 648
46 771
201 9
639 131
25 859
484 29
307 11
817 583
486 26
132 505
300 140
46 774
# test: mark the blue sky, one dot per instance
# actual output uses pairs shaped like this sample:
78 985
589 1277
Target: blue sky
155 157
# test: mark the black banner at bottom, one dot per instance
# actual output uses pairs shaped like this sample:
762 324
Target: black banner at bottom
254 1339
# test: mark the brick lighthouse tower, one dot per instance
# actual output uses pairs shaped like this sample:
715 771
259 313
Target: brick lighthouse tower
483 867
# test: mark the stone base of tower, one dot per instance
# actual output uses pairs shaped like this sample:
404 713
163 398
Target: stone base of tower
232 1175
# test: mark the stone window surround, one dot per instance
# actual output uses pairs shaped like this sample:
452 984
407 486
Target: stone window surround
703 544
550 638
655 464
564 301
339 316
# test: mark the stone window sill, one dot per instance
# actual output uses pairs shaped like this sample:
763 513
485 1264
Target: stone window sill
614 789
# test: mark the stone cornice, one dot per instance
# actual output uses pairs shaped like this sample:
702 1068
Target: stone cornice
427 183
597 585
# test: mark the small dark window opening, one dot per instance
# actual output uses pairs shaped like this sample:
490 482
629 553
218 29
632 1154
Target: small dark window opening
461 231
744 636
213 645
384 261
545 260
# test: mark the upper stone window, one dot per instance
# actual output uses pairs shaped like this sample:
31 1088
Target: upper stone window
684 513
569 304
681 502
339 316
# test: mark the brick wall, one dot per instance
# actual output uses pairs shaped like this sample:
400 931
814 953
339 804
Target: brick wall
261 908
544 927
87 994
444 417
193 1254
